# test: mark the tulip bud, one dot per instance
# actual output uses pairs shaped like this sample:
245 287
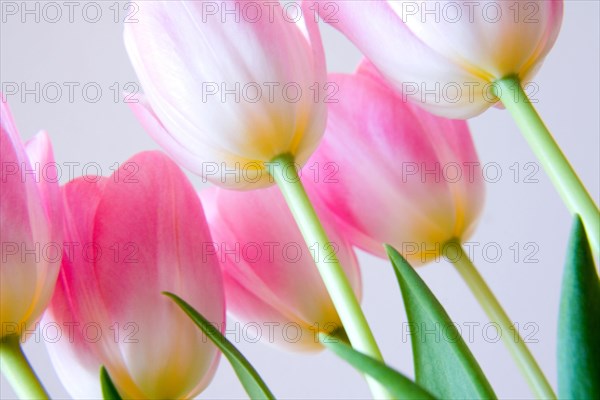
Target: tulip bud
447 55
130 238
269 273
229 85
30 228
419 185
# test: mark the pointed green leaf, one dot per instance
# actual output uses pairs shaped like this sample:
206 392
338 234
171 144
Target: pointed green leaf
579 322
109 391
249 378
399 386
444 364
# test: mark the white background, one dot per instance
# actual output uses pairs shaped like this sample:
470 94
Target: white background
106 132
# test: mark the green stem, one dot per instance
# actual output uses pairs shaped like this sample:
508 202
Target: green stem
284 171
563 176
17 370
515 344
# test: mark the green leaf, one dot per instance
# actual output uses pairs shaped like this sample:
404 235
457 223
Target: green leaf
399 386
579 322
444 364
252 382
109 391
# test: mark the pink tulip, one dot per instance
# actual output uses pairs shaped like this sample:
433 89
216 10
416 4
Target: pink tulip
230 85
418 185
447 54
271 282
30 226
128 238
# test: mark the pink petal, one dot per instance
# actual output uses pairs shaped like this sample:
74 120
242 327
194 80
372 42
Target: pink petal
270 275
41 157
409 64
495 39
398 202
225 172
152 231
196 49
31 247
76 304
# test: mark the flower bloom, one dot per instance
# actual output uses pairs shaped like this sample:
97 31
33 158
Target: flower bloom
227 91
30 226
417 186
447 54
131 237
269 273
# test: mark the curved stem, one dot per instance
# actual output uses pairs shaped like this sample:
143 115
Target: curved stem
284 171
555 163
17 370
515 344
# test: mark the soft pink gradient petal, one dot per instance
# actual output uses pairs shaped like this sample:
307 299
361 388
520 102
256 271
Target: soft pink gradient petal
73 356
398 201
41 158
29 226
9 128
19 277
76 305
424 54
270 275
496 45
155 224
145 234
408 63
196 161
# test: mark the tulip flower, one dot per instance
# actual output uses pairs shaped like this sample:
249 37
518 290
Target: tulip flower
235 91
228 91
421 188
269 273
31 226
131 237
456 59
31 232
420 183
445 54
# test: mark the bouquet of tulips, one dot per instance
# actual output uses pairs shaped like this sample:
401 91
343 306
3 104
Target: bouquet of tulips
306 167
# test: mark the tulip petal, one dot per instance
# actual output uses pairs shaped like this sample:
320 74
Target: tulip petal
268 268
406 196
134 241
9 128
75 346
41 157
226 103
152 231
76 305
30 247
248 376
143 111
244 174
447 55
493 39
409 64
